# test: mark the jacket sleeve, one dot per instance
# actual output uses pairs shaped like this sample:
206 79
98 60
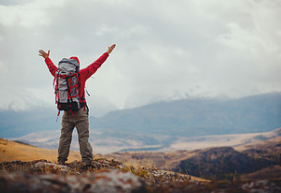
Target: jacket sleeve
51 66
92 68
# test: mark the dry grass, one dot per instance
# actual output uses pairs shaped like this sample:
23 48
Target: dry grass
147 160
10 151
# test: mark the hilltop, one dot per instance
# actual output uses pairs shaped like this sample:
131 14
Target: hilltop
13 152
142 173
40 174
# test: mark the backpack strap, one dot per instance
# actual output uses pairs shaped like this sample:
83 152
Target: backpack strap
55 85
68 81
58 116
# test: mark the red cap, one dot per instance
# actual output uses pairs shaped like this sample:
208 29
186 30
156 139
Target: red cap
75 58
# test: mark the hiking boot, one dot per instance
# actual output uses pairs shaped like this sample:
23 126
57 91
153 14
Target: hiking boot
61 163
89 167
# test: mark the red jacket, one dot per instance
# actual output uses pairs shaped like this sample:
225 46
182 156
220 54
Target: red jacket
85 73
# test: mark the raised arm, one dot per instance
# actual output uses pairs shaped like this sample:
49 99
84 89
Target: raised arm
44 54
48 61
110 48
92 68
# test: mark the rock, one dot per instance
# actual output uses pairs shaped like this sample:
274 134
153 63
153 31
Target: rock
116 181
260 186
97 164
53 168
163 177
106 181
151 179
43 176
19 165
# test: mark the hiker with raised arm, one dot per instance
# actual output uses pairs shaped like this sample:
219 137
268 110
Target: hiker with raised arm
69 84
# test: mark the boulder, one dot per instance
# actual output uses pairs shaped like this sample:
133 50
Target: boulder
106 181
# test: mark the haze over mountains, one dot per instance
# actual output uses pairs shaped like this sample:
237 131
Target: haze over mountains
158 126
195 117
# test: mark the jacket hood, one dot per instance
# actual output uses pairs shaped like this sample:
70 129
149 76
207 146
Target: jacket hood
75 58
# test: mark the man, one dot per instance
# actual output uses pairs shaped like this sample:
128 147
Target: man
78 119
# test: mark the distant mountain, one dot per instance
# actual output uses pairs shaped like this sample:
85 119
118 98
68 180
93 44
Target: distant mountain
179 118
197 117
16 124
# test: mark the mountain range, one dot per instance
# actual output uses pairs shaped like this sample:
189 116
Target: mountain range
186 117
165 126
198 117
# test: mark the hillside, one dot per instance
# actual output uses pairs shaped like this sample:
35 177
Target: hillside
10 150
24 168
108 175
18 151
249 161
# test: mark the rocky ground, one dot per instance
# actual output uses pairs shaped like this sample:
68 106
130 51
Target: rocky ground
110 176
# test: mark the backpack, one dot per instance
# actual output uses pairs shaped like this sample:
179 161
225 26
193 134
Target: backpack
67 85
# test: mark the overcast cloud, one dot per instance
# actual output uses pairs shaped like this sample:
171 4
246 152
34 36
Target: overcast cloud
165 49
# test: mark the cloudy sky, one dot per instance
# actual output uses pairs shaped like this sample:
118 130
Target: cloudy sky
166 49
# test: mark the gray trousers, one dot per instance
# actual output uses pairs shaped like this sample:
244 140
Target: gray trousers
79 120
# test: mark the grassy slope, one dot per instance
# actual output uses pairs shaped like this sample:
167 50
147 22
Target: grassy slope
10 151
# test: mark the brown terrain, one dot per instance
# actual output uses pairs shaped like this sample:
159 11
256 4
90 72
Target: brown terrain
254 167
10 150
251 161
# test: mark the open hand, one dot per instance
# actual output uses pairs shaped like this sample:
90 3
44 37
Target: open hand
44 54
111 48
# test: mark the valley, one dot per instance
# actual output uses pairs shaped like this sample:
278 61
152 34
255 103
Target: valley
249 161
